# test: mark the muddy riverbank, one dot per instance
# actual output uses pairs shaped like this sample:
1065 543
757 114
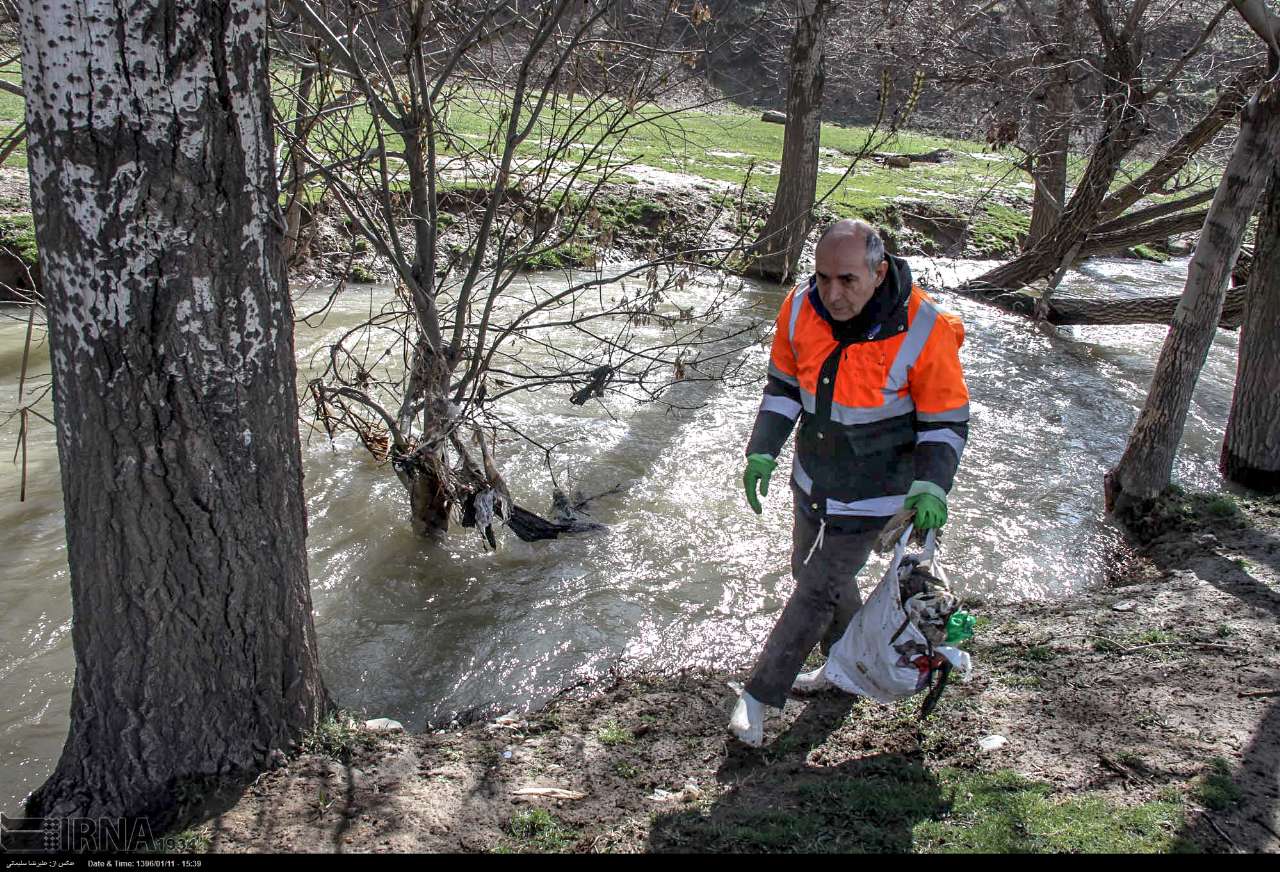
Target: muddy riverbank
1139 716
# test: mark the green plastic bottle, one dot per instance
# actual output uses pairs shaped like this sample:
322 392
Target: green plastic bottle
960 627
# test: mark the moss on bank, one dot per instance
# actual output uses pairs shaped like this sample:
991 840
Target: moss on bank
18 237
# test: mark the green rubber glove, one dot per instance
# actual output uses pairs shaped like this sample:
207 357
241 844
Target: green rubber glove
759 468
930 503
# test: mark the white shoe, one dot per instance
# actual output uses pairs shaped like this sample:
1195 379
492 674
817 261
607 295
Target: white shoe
812 682
747 722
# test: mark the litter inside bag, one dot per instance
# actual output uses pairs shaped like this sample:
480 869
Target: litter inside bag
896 643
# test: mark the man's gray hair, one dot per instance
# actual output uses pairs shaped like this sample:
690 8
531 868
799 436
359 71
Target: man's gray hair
875 245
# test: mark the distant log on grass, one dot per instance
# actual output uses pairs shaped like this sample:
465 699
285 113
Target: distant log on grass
937 155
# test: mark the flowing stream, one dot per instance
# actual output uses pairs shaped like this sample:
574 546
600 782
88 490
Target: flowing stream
686 576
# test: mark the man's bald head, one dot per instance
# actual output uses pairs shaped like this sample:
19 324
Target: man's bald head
851 231
849 266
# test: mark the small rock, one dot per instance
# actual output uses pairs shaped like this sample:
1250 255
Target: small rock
509 721
384 725
992 743
1125 606
774 117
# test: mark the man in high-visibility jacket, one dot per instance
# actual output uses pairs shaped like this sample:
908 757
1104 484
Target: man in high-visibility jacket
871 369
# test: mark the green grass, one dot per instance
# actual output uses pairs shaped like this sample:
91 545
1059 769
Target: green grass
196 840
13 112
747 148
1002 813
338 737
1146 252
984 189
1131 759
1040 653
18 235
997 229
537 830
567 256
613 733
892 805
1214 788
1222 506
680 143
1021 679
193 841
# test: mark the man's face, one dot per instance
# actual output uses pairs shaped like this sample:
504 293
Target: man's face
845 284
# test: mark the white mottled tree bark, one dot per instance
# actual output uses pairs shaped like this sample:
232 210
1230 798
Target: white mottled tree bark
171 333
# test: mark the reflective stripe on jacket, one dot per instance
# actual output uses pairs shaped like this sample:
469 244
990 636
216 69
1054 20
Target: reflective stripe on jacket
877 411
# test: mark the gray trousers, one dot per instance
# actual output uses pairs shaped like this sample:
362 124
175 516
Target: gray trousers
824 601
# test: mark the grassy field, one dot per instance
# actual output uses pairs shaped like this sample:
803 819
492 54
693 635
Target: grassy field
730 147
11 113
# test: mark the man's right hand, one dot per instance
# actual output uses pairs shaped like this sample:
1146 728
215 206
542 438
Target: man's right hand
759 468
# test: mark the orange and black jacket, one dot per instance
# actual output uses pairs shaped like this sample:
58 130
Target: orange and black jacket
881 399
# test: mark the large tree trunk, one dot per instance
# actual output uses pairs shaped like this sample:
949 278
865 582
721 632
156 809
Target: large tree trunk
1147 464
1052 114
423 470
1064 311
174 376
778 249
1251 446
1050 168
1105 239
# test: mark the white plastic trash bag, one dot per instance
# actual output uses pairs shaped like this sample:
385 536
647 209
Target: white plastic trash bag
884 655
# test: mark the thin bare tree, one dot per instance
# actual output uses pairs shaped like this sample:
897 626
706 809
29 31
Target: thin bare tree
513 117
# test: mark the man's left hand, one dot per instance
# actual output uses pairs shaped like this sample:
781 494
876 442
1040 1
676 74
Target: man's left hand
930 504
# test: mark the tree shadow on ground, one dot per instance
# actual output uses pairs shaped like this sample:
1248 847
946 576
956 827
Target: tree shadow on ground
776 799
310 806
1254 824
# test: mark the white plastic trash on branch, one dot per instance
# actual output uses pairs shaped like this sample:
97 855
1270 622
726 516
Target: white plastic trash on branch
890 652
